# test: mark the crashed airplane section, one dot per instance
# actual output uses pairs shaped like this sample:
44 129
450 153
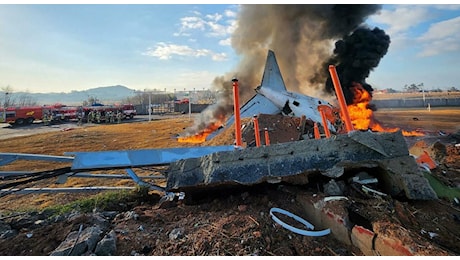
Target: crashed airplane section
272 97
292 162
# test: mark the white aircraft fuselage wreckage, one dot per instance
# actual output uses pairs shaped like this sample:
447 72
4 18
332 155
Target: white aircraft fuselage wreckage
272 97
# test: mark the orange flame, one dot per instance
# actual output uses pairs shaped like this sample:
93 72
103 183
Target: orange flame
362 117
200 137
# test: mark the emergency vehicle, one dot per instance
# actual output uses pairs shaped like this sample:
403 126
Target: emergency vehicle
61 113
23 115
128 110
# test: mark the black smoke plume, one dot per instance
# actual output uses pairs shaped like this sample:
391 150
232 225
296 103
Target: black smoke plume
355 56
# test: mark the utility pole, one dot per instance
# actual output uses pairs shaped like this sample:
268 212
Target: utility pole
190 105
4 108
150 106
423 92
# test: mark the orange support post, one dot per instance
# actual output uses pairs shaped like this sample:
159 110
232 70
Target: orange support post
256 130
316 131
341 98
267 138
324 120
236 107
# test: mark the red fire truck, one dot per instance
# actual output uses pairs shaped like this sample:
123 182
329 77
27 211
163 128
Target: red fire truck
23 115
61 113
129 111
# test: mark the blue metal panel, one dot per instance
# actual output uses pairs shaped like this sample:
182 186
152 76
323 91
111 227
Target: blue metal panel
137 158
6 158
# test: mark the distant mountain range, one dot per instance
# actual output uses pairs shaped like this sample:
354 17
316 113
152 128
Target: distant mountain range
105 95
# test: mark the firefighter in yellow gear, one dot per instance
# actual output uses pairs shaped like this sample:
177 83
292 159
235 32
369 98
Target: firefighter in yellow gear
46 119
119 115
90 116
93 116
98 117
111 117
80 119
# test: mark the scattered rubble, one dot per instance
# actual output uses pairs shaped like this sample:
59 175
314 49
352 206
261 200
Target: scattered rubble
281 129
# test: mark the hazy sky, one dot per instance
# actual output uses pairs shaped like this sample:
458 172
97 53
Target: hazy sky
59 48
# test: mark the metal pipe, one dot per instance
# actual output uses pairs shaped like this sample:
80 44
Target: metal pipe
236 107
267 138
4 107
140 182
316 131
341 98
6 158
324 120
150 106
256 130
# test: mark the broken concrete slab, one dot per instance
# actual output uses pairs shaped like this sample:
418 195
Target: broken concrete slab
79 242
402 175
399 243
292 162
371 237
327 214
370 141
394 240
362 238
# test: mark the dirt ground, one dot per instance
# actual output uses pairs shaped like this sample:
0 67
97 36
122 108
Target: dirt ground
226 222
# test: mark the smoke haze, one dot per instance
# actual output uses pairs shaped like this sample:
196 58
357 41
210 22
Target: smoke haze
302 37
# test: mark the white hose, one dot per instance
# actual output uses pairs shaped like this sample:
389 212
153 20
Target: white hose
331 198
299 219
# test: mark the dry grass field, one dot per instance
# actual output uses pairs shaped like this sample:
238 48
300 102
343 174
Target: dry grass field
428 94
436 119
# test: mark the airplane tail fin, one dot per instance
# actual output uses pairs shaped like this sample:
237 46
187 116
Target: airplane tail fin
272 75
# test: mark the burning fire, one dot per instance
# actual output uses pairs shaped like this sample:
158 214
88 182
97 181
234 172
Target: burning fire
362 116
200 137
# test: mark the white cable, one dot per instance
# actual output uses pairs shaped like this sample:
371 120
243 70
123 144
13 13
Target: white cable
331 198
299 219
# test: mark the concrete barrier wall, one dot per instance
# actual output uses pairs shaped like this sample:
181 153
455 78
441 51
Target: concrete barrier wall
382 103
434 102
196 108
181 108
